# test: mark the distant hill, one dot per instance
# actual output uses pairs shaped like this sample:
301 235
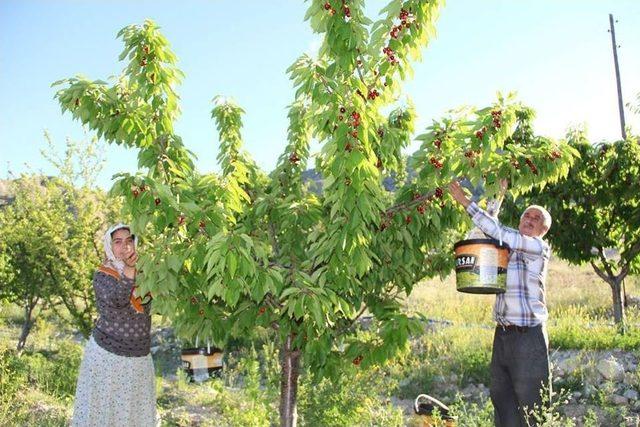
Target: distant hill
316 181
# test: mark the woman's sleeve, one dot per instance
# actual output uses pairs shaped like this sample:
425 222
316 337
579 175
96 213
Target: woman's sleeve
516 240
110 293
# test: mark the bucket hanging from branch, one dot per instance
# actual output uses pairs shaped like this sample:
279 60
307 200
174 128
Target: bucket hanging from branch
201 363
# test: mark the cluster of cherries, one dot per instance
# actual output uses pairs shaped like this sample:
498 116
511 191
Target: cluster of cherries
194 301
373 94
355 122
421 208
137 191
404 22
532 166
293 158
481 132
390 55
496 116
436 163
555 155
141 189
332 11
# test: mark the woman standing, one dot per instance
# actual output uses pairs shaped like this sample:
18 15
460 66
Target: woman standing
116 384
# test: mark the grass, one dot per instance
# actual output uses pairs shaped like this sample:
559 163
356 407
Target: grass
37 387
578 301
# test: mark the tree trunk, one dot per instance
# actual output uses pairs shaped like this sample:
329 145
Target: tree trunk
618 306
290 368
26 325
615 282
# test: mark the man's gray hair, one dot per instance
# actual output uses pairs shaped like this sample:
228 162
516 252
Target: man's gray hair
546 216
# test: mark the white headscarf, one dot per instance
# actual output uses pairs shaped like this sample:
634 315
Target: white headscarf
111 260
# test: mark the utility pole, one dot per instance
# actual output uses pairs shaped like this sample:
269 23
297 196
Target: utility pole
615 62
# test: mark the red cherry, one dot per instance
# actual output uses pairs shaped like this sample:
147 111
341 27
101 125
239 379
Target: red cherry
143 62
379 164
294 158
354 134
327 6
479 134
157 201
261 311
194 300
348 147
202 224
347 12
437 143
408 220
420 209
135 193
357 360
181 219
439 193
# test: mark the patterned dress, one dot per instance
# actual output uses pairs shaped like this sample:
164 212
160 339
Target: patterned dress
116 383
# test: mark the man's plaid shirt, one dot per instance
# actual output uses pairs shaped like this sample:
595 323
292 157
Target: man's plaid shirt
524 302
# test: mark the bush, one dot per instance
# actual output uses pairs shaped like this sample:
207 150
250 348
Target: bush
351 400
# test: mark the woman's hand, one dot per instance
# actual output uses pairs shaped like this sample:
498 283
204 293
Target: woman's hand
131 260
130 265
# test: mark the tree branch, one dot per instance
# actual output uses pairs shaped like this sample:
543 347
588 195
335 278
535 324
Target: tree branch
600 273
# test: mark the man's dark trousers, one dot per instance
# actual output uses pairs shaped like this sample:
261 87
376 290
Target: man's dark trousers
519 368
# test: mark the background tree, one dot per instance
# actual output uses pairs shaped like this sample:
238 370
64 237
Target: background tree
227 253
51 235
596 212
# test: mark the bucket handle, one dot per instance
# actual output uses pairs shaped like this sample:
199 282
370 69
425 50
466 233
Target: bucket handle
432 400
495 221
208 344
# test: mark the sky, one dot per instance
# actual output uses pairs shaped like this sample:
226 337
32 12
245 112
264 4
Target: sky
555 54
